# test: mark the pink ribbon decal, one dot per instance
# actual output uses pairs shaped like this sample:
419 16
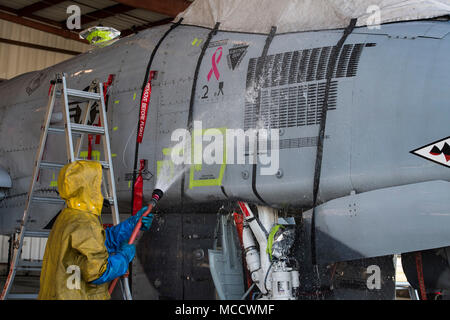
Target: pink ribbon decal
214 62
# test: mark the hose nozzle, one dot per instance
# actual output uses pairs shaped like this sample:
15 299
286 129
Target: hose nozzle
156 196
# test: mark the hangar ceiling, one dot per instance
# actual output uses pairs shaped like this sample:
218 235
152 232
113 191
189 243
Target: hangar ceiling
127 16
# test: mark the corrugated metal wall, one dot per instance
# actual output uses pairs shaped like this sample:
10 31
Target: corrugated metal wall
4 248
33 248
15 60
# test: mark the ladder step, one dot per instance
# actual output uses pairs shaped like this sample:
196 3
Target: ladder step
22 268
26 265
23 296
52 165
60 130
82 94
104 164
36 234
56 130
81 128
48 200
78 129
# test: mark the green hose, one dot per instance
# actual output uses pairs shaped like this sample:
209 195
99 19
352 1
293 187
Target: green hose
270 239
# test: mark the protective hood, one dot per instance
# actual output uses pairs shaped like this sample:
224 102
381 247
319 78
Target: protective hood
79 183
258 16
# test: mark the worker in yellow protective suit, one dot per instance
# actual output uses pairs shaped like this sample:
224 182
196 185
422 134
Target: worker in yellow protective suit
81 257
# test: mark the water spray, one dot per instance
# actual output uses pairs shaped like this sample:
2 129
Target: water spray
156 196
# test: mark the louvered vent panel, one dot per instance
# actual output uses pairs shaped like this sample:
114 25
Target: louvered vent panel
293 84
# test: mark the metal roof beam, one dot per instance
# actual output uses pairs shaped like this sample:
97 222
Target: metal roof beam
31 16
25 11
103 13
170 8
42 27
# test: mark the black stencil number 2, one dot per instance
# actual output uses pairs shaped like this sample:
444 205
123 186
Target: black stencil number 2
205 96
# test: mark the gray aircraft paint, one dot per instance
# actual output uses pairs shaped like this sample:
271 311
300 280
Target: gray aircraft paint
5 179
394 101
384 221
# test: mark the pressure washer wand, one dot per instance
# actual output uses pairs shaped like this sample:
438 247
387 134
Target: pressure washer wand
156 196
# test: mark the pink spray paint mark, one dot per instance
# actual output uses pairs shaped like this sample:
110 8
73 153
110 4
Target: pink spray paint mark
214 62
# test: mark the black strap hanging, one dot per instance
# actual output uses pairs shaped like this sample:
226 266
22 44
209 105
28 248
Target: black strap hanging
259 72
194 88
318 166
147 74
197 70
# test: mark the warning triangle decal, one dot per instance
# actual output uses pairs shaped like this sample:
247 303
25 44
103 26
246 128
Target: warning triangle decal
438 152
236 55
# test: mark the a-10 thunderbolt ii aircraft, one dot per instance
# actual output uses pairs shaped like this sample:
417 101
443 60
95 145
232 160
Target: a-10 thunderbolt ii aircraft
358 172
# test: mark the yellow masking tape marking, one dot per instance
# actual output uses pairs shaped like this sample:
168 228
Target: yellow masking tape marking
198 167
113 155
115 128
167 151
54 182
117 101
129 184
196 42
94 154
134 96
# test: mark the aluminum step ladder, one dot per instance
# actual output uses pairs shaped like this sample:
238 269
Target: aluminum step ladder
93 96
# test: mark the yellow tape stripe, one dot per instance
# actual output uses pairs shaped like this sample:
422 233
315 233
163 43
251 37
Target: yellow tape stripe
208 182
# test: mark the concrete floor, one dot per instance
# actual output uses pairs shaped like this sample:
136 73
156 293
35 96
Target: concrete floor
27 284
30 284
23 284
